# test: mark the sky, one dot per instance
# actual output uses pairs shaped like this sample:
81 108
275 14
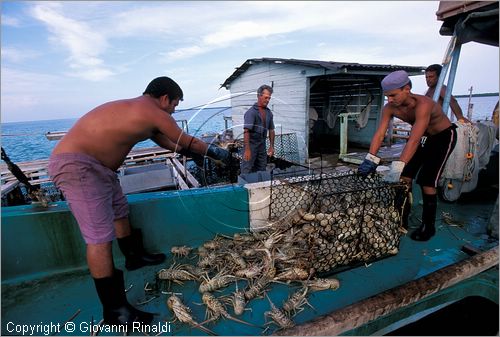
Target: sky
61 59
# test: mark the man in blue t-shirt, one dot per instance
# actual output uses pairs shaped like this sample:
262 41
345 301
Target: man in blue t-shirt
257 121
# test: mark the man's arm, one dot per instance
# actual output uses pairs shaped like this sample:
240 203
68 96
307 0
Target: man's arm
458 111
246 142
455 107
171 137
272 135
371 161
248 124
422 119
165 142
379 135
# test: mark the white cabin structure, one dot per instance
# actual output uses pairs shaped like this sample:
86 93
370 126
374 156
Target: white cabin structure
330 88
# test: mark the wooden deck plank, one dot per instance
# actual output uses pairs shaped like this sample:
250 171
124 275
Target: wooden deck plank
9 186
185 173
182 184
36 170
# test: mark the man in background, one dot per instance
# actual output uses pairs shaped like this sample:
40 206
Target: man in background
432 74
258 121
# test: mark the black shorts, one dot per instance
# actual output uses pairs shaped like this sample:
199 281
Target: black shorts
430 157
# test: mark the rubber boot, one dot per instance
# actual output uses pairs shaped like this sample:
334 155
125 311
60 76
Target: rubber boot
427 229
115 308
135 255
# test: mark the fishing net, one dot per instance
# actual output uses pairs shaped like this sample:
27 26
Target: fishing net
340 219
470 155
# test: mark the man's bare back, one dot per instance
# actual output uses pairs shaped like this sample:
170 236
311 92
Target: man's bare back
109 131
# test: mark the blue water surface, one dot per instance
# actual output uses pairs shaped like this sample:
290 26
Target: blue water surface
482 107
26 141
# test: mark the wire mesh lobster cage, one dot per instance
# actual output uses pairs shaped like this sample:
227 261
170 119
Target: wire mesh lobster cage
208 173
339 219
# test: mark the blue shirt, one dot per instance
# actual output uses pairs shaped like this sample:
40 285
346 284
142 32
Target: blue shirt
253 123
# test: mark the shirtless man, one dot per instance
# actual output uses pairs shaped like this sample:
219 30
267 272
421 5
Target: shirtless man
432 73
432 138
83 166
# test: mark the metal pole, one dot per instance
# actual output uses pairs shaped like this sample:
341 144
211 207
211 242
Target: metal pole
469 105
444 71
451 79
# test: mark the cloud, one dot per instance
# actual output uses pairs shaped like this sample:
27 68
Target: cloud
24 91
84 43
92 74
185 52
118 44
87 36
29 95
274 18
471 72
10 21
17 55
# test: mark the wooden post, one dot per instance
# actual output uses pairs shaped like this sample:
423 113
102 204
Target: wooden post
387 302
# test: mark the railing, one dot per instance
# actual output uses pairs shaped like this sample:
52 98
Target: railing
344 118
395 133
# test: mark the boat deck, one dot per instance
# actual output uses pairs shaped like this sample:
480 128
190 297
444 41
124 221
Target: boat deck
56 299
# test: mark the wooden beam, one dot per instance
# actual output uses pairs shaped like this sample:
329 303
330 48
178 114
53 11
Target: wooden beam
401 129
8 187
36 170
180 180
387 302
400 136
189 177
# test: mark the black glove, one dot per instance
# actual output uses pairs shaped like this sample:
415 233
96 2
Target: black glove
369 165
218 154
197 158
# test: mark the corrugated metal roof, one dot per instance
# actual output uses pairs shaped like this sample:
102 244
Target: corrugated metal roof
340 67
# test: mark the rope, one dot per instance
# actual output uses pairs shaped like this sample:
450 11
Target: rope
363 117
16 171
470 162
216 101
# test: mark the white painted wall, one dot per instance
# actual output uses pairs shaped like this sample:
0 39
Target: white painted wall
289 102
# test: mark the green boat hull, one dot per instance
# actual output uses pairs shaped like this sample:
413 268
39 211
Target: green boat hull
45 279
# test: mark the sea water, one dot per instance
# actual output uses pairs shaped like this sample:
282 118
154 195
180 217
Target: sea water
26 141
482 107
